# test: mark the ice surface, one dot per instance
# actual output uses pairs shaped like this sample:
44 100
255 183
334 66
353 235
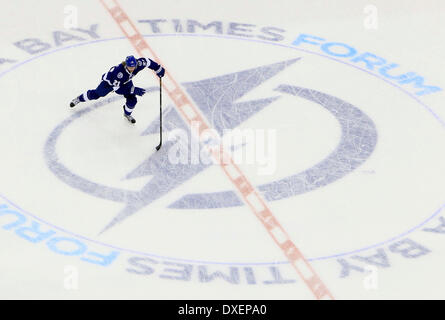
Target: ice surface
353 169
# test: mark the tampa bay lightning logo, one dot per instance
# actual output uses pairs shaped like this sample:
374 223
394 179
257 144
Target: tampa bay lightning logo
358 140
120 75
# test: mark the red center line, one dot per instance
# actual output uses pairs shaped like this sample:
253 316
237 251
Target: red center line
246 190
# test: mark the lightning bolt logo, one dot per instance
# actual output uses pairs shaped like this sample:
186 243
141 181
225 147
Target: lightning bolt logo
217 99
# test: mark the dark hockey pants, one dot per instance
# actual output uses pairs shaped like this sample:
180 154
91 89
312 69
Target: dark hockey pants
104 88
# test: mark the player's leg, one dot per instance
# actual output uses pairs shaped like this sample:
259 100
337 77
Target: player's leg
101 91
129 106
127 90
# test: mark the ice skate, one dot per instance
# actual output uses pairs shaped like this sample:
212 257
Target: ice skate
74 102
129 117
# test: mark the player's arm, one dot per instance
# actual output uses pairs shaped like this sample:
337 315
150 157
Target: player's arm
150 64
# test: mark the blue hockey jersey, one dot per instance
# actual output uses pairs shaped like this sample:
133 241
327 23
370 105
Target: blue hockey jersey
118 75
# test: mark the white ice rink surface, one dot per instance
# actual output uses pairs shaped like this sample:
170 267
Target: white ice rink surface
349 92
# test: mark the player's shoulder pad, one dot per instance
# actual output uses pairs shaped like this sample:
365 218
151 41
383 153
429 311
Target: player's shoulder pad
142 62
116 69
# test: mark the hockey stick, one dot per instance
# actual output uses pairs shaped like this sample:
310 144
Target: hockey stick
160 114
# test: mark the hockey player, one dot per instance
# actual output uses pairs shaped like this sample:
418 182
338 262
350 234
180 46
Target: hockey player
118 79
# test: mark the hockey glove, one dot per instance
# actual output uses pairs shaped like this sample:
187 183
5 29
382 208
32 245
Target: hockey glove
160 72
138 91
